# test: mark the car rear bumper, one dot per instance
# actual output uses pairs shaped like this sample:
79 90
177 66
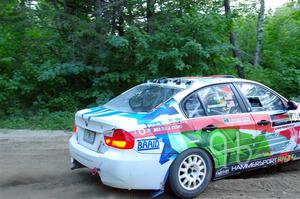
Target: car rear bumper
125 169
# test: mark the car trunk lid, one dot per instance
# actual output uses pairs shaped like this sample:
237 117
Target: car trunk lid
93 124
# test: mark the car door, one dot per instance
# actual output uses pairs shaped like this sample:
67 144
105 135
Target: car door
217 113
271 117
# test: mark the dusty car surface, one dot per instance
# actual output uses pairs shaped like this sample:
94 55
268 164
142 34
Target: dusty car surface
185 132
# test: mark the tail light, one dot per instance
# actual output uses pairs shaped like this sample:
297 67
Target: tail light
120 139
74 128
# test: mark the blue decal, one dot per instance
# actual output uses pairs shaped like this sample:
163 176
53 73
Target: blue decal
104 114
166 109
93 110
168 152
96 114
142 118
161 111
148 144
136 116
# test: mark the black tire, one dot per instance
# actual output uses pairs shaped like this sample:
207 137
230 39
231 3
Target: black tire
177 186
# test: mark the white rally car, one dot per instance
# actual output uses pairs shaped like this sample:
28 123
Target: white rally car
185 131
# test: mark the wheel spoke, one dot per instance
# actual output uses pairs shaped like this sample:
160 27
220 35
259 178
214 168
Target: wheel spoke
199 162
184 170
201 173
183 176
185 181
195 159
185 164
201 167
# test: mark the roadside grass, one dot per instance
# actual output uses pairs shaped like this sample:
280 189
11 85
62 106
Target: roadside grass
39 121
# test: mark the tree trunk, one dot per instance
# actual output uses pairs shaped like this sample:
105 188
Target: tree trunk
232 38
120 27
59 23
101 15
129 6
114 16
259 37
149 15
119 17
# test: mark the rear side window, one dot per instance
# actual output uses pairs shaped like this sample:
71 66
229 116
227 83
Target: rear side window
259 98
192 106
219 100
142 98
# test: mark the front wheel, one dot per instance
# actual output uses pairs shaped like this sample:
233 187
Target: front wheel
190 173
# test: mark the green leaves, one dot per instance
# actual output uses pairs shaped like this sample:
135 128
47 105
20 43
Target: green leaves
117 42
51 71
56 56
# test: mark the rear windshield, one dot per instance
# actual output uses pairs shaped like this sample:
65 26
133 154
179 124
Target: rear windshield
142 98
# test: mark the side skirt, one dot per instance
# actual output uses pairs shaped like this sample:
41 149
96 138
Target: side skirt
250 165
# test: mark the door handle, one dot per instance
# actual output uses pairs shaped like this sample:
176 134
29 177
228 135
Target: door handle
263 122
209 128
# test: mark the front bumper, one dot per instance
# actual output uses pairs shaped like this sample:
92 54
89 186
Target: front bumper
125 169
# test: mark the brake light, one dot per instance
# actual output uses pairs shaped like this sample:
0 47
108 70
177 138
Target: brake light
74 128
120 139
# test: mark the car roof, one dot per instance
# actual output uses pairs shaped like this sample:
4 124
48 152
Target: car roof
196 81
192 83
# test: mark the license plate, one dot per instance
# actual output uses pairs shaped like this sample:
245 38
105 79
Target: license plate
89 136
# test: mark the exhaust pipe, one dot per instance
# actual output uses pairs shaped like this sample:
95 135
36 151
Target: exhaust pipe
94 171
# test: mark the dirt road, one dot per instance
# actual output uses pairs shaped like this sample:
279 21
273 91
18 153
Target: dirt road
35 164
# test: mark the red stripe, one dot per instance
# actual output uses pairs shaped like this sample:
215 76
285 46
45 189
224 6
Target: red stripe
280 116
286 133
192 124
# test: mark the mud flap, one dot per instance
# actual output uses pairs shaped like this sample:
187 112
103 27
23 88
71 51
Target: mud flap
161 191
75 164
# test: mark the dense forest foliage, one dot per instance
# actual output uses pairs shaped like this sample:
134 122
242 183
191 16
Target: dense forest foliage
57 56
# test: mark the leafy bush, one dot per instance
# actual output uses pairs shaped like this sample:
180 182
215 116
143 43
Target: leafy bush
56 58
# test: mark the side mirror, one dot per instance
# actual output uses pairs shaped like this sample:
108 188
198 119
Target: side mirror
291 105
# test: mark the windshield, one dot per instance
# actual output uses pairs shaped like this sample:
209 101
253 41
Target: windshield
142 98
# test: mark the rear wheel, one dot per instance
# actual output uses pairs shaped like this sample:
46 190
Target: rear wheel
190 173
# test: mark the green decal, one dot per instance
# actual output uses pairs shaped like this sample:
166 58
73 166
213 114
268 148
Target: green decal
227 146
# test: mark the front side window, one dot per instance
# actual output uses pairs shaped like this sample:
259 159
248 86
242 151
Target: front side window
259 98
219 100
142 98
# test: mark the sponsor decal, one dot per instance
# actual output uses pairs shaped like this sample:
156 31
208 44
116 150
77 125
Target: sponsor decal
281 128
148 144
282 158
167 128
236 120
253 164
294 116
238 149
286 118
222 172
155 129
285 157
